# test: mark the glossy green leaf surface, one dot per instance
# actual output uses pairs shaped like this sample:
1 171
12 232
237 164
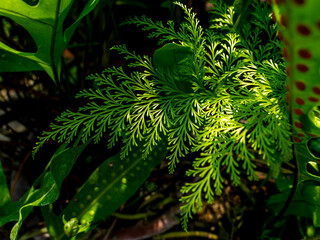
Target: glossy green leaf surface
50 183
108 187
44 22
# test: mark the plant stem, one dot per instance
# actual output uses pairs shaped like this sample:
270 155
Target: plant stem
207 235
281 213
131 216
52 48
35 233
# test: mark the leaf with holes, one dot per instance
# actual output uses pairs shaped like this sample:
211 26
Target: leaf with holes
50 183
300 31
43 20
109 186
299 23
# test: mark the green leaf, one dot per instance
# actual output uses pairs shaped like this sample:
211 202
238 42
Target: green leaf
5 194
109 186
312 196
44 22
295 21
52 221
306 202
170 4
314 147
48 192
241 11
171 55
175 60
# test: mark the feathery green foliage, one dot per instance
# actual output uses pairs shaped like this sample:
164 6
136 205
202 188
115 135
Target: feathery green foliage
222 96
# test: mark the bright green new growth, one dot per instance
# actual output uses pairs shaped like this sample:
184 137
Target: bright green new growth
222 95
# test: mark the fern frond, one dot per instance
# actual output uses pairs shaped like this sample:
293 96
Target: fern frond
222 16
221 95
158 30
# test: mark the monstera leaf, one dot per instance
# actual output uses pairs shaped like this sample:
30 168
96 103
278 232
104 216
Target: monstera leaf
44 22
300 32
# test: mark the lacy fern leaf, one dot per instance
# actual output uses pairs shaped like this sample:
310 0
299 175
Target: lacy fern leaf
218 93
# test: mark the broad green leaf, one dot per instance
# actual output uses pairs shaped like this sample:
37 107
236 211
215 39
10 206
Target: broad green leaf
177 62
296 19
108 187
5 194
44 22
314 147
50 183
171 55
5 200
299 26
305 160
170 4
306 202
52 221
241 11
312 196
